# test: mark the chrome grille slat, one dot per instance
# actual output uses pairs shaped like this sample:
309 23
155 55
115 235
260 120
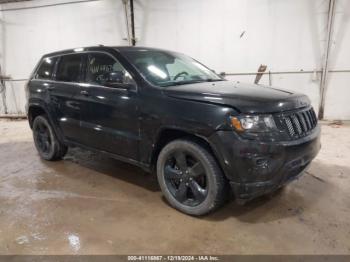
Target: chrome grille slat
290 126
302 121
307 120
314 116
311 118
296 124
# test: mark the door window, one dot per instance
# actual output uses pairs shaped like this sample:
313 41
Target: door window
46 68
100 66
69 68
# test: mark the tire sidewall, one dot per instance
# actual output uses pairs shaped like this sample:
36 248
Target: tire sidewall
205 159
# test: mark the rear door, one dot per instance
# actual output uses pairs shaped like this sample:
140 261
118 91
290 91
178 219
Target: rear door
112 122
63 95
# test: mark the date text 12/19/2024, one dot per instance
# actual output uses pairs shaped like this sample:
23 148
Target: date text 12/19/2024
173 258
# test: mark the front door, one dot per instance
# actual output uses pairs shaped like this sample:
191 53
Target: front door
111 123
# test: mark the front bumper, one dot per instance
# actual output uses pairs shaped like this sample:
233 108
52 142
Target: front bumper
256 168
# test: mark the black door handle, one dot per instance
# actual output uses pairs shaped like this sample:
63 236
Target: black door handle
84 93
50 88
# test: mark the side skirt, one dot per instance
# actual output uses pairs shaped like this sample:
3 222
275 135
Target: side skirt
134 162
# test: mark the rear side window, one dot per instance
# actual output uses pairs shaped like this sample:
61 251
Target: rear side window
69 68
46 68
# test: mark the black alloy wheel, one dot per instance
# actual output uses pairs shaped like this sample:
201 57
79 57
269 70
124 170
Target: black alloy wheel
186 178
45 140
190 178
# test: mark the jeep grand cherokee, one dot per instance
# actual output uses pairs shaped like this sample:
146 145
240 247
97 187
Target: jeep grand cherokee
169 114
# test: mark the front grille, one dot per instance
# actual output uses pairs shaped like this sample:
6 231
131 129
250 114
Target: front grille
299 123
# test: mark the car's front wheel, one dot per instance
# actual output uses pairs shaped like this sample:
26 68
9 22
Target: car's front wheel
45 140
190 178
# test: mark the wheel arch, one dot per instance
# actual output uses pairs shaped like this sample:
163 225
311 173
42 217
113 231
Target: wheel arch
167 135
34 111
37 109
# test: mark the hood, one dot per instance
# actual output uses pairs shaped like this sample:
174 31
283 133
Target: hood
246 98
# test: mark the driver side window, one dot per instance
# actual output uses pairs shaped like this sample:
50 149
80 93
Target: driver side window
100 66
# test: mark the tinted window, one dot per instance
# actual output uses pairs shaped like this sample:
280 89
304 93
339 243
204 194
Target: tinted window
68 69
100 65
46 68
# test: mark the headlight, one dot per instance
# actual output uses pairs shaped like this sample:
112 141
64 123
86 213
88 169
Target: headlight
257 123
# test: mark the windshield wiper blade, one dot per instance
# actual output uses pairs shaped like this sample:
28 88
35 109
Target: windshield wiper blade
177 83
213 80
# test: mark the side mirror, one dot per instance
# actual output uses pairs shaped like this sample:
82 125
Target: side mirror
114 77
117 79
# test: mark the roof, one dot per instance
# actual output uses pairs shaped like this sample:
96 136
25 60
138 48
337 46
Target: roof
11 1
102 48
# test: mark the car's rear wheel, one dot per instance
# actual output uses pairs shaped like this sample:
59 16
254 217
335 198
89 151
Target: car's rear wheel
45 140
190 178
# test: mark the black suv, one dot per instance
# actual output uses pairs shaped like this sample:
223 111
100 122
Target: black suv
168 113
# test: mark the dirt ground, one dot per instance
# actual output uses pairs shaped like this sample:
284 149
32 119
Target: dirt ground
91 204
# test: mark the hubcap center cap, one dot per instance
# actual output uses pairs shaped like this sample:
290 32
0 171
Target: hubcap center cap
186 176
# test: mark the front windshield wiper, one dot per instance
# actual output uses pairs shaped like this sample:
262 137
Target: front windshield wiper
177 83
213 80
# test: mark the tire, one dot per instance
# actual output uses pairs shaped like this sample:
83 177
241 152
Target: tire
45 140
213 187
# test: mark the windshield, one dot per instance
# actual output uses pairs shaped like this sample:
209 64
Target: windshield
163 68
